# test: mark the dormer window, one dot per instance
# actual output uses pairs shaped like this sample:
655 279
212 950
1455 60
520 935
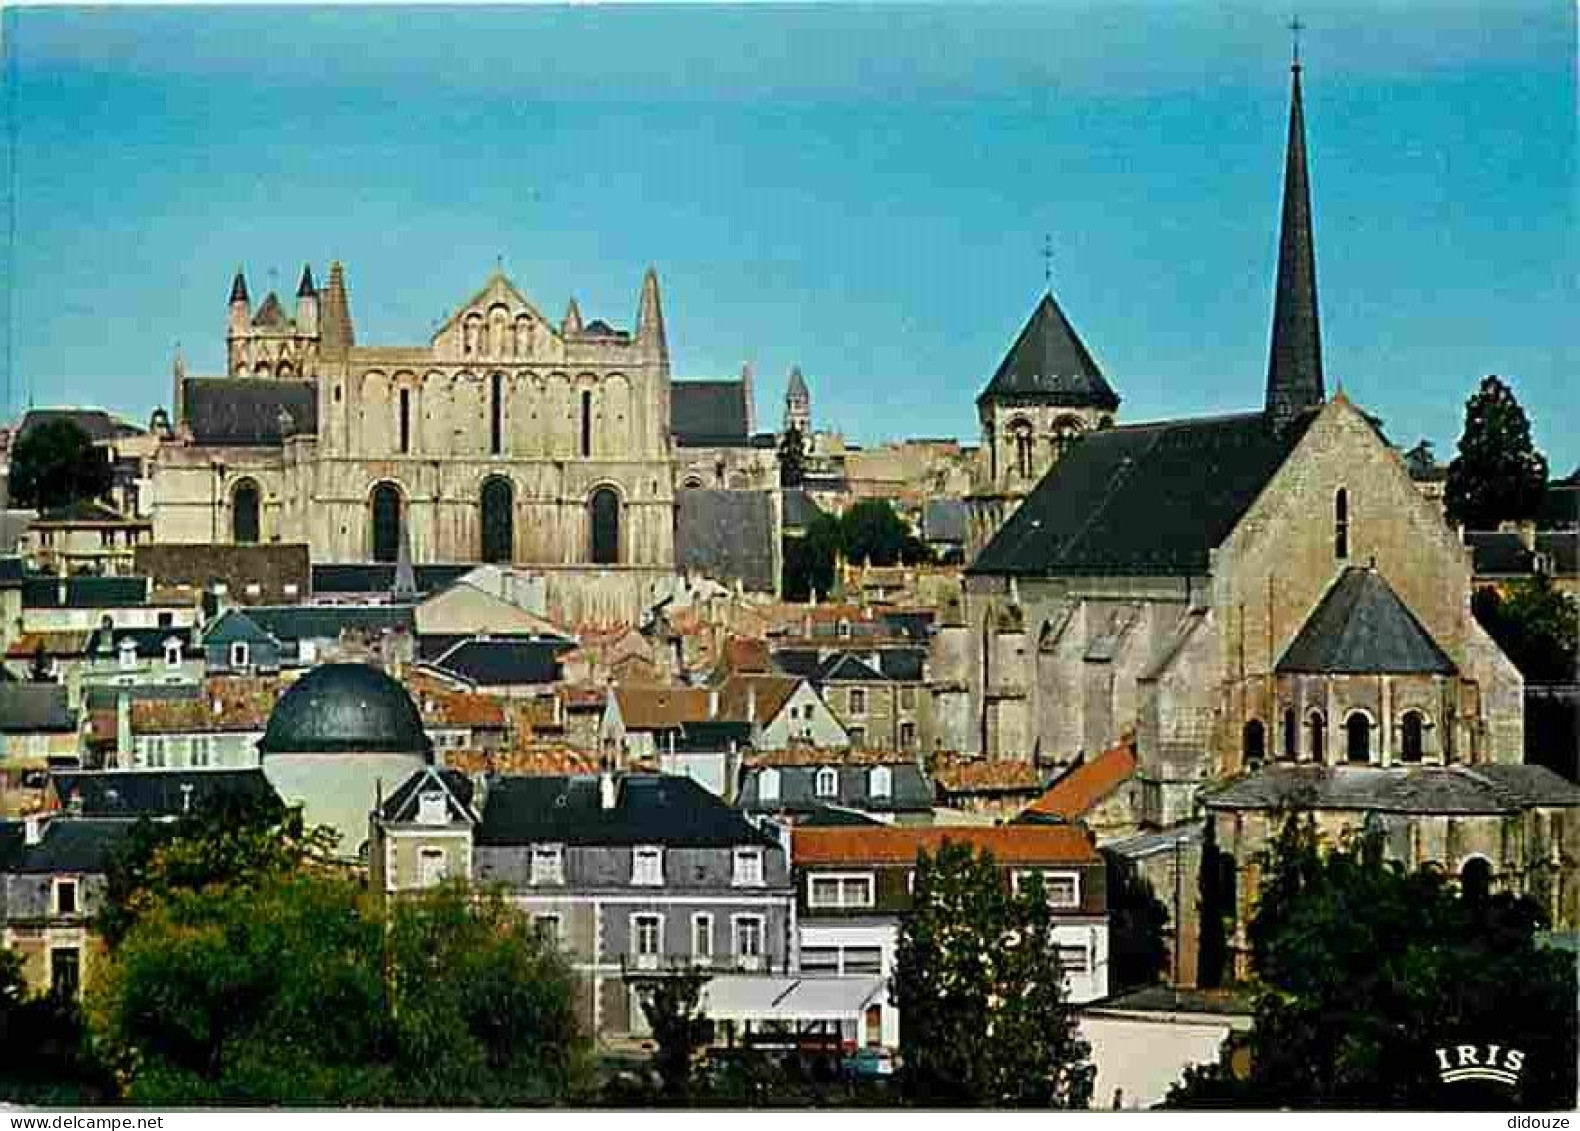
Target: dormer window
240 654
748 871
827 784
647 866
548 864
128 654
768 786
431 809
172 654
880 782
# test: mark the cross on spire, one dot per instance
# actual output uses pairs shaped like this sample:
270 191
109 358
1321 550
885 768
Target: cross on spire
1295 28
1047 262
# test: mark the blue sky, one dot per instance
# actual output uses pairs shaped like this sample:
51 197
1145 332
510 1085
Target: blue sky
860 190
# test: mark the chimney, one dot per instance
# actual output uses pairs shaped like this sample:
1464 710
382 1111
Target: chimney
606 791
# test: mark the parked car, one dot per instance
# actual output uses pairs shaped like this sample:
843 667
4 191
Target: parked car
869 1064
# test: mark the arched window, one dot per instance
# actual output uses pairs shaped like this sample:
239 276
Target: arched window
405 420
244 513
586 423
1412 736
1066 431
1475 880
880 782
1317 730
496 414
1291 734
827 784
498 520
1341 524
384 506
603 519
1253 741
1020 431
1358 738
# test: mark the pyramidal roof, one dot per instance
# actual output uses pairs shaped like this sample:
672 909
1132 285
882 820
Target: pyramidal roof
271 314
797 389
1049 361
1362 627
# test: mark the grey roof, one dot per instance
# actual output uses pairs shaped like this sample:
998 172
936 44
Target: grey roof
1486 789
502 661
1143 499
327 622
1294 366
86 510
799 508
712 735
68 845
402 805
727 535
1146 844
40 592
1562 548
245 412
944 520
1361 626
148 643
345 709
1050 364
156 793
30 708
834 816
708 414
797 389
1498 552
910 791
342 578
657 809
272 566
98 424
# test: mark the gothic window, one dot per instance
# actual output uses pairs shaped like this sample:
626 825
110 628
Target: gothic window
586 447
1475 879
405 420
498 520
1412 736
1253 743
244 513
1291 734
1358 738
286 371
1341 524
384 507
496 413
1066 431
1020 431
603 519
1317 728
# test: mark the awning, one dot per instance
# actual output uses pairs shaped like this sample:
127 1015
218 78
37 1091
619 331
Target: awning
737 997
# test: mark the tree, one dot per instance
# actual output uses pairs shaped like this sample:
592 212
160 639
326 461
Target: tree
672 1007
226 839
298 990
43 1056
977 981
792 458
1498 475
1365 970
55 464
872 532
809 559
1537 626
1137 952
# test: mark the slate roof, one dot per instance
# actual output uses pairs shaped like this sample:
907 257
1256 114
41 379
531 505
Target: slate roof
33 708
656 809
40 592
1562 548
69 845
726 535
402 805
98 424
944 520
1142 499
1487 789
1361 626
156 793
909 791
367 578
799 509
346 709
708 414
149 643
244 412
834 817
271 314
498 661
270 566
326 622
12 571
1498 553
1050 363
708 735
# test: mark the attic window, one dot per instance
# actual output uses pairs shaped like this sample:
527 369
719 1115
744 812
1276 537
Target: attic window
548 864
647 866
431 809
172 654
827 782
128 654
748 867
880 782
240 654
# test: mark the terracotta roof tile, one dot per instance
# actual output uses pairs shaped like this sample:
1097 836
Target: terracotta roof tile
226 705
660 707
536 758
771 691
978 775
1074 794
899 844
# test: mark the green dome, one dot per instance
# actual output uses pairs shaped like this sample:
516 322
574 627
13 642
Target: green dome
345 709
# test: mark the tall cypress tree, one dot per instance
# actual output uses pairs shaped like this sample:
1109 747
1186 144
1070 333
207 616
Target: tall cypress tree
1498 475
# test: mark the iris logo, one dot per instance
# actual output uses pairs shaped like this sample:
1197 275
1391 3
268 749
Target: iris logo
1492 1063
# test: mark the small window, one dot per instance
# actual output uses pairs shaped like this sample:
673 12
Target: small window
201 746
823 960
827 783
907 698
405 420
1412 736
65 897
1317 733
647 935
1358 738
548 864
858 737
1253 742
1063 888
647 866
748 867
749 942
432 865
172 655
858 701
702 938
549 927
880 782
1291 734
1341 524
907 736
65 972
863 961
128 654
240 654
156 753
840 891
768 786
431 809
844 628
1073 959
586 445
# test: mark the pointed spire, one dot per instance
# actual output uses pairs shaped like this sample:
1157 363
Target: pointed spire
305 288
1294 366
336 334
650 312
238 288
797 390
572 323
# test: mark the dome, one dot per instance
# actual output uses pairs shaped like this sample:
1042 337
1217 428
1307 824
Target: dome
345 709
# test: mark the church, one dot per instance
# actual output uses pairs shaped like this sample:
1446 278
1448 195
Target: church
1263 605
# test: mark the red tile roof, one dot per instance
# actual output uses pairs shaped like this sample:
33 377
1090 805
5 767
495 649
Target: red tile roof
1075 794
899 844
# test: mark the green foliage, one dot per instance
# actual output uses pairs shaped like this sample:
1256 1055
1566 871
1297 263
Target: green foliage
1137 920
681 1032
1216 889
56 464
1498 475
872 533
1367 969
297 990
983 1020
229 840
809 559
792 458
1537 626
43 1055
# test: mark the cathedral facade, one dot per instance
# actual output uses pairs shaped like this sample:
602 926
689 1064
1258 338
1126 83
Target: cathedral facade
504 438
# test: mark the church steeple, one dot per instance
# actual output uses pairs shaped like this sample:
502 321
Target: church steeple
1294 366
